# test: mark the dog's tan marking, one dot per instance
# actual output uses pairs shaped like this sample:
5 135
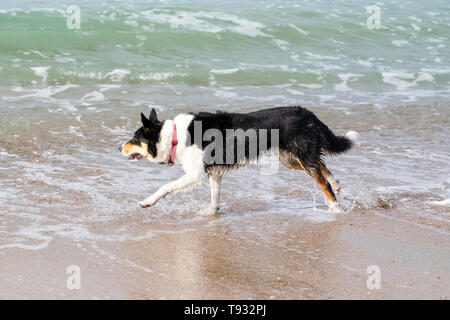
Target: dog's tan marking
129 149
322 176
325 186
145 147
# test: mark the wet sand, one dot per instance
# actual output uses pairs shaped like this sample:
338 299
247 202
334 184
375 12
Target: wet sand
215 258
68 197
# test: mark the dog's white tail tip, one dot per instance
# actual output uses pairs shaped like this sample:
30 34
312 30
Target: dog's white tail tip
352 135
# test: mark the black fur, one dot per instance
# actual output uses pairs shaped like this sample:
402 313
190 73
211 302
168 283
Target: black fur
149 133
301 133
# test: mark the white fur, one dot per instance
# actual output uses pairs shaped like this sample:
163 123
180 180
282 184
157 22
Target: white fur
190 157
215 181
352 135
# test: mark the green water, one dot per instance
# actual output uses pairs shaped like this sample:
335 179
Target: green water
310 46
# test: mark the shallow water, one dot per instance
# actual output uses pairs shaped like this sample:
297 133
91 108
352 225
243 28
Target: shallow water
68 102
61 170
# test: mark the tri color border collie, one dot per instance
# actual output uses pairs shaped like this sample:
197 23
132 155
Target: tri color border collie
301 143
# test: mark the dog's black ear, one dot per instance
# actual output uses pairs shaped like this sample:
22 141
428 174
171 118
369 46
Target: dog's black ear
145 122
153 117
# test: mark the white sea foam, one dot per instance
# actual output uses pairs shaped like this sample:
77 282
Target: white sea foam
39 54
322 57
445 202
93 96
203 21
117 74
400 43
131 22
293 26
65 59
424 77
415 27
83 74
75 131
345 77
224 71
310 85
106 87
49 10
400 79
160 76
365 63
327 98
434 40
225 94
323 66
415 19
47 92
283 45
6 154
41 72
295 92
38 237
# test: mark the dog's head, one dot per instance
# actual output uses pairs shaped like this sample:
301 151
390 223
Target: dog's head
145 139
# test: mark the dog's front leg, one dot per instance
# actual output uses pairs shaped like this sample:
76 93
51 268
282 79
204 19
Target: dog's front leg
193 168
213 207
188 181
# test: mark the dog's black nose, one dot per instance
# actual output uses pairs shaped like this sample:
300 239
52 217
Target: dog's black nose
120 148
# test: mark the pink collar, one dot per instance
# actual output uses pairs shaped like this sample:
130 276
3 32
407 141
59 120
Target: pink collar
173 150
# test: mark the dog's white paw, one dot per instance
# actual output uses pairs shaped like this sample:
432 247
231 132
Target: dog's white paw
144 204
209 210
336 208
147 203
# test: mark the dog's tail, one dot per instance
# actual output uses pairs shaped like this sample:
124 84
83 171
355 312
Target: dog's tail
339 144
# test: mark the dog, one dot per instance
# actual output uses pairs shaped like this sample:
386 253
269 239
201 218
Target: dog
302 142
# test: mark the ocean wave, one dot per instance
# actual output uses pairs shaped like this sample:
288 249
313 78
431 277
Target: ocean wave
141 43
203 21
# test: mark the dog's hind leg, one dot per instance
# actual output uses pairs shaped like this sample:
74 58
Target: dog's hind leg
330 178
321 175
316 173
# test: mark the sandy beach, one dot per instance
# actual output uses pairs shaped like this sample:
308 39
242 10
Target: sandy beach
69 201
216 259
